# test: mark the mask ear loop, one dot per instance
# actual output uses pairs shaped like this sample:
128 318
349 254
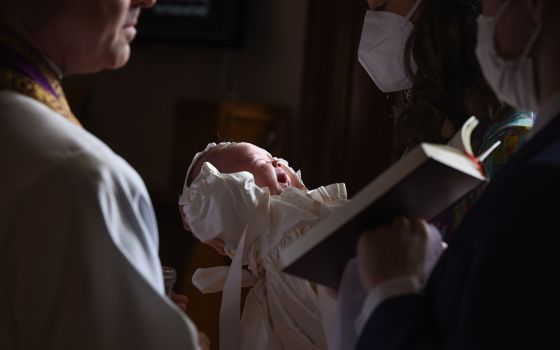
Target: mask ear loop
412 11
501 11
531 42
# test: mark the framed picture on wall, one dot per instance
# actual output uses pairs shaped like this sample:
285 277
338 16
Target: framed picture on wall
194 22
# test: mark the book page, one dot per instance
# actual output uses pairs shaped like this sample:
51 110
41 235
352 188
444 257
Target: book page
466 134
462 138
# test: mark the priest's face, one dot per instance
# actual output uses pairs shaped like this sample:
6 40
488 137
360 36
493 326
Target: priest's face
85 36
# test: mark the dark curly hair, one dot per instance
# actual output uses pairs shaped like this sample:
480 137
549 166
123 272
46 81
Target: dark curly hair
448 82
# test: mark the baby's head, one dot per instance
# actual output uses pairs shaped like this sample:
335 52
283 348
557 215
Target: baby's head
267 170
211 205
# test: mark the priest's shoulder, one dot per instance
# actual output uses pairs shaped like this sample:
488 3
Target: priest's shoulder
42 140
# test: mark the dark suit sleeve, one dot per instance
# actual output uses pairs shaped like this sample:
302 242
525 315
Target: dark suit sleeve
399 323
507 256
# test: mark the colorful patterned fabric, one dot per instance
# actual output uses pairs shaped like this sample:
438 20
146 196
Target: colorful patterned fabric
511 132
23 69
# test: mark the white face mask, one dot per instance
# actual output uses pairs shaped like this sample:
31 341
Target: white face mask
382 47
513 80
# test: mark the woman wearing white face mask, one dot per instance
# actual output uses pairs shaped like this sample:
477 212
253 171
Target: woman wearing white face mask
497 282
421 52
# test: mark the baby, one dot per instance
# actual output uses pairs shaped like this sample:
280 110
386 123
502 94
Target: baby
249 205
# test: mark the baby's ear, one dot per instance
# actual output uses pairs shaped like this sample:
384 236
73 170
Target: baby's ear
184 219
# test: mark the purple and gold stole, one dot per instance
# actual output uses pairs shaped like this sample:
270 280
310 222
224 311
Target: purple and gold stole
23 69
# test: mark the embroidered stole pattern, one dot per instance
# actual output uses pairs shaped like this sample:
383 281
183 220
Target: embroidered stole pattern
24 70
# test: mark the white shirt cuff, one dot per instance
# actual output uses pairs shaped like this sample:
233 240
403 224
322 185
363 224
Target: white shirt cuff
388 289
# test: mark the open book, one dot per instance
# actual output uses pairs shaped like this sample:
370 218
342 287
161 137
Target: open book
422 184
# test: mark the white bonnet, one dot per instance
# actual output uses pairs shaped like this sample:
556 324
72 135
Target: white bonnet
218 204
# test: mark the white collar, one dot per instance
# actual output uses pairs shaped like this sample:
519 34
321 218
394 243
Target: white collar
547 111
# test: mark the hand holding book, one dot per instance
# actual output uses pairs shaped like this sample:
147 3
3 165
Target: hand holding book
422 184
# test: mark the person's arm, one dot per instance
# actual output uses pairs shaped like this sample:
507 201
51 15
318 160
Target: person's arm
390 262
86 271
356 304
510 285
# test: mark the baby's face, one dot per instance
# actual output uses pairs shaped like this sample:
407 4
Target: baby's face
237 157
267 171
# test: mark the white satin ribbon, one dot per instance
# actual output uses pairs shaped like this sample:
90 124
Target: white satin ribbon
212 279
230 309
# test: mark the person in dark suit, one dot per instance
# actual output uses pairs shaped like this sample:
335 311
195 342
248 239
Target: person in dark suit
497 284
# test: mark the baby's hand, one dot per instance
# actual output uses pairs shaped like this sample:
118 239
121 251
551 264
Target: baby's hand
180 300
203 341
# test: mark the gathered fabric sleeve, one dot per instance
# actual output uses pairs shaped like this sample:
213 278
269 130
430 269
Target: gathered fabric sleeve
84 267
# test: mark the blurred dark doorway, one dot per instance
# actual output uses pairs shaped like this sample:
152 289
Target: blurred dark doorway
345 132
